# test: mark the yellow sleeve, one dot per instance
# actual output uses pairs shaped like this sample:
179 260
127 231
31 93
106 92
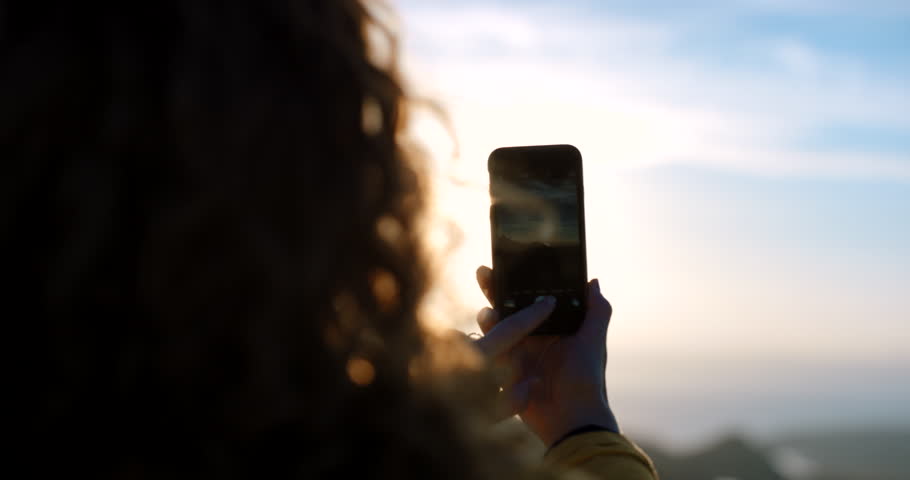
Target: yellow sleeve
602 455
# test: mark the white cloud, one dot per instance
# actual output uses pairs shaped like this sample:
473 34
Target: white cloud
796 57
532 75
466 30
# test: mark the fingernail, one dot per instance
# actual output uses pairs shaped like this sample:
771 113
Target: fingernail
596 284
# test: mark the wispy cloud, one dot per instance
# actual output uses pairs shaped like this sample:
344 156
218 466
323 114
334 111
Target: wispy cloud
637 92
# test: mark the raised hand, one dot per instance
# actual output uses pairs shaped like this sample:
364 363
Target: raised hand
558 383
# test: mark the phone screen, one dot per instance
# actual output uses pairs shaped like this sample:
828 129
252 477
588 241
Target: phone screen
537 223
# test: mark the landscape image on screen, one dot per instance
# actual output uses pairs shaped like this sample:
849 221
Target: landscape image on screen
538 239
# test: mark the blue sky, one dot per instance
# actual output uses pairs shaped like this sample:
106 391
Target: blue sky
835 73
747 180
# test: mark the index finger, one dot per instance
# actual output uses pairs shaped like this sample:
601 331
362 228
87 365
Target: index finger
514 328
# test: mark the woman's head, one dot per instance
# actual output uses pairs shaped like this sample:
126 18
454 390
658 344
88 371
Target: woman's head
211 220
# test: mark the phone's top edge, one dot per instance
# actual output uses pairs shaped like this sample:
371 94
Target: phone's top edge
554 145
529 147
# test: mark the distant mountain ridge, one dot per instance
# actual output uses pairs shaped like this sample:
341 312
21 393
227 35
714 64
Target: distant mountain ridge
731 457
832 455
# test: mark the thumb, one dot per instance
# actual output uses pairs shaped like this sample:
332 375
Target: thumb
508 332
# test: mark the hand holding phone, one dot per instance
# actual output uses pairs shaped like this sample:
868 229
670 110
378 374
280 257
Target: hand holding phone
559 383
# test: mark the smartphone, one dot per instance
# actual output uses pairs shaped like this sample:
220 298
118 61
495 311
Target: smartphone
537 221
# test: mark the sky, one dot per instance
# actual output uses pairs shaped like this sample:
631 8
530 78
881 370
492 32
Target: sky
747 180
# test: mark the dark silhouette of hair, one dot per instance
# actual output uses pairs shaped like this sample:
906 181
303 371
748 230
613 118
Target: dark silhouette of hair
210 222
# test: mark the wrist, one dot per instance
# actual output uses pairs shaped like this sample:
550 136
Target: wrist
579 431
581 420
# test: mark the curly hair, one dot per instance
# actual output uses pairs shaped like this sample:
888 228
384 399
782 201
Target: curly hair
211 223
